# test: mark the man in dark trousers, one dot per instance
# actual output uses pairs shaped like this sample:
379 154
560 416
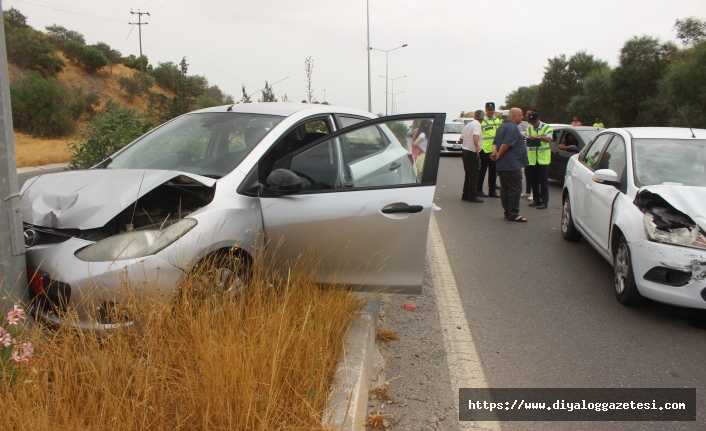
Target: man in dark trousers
471 139
510 155
490 125
539 136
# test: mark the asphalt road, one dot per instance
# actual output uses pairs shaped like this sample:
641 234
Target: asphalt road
21 178
543 313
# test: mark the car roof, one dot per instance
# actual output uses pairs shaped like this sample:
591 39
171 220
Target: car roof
578 128
664 132
285 109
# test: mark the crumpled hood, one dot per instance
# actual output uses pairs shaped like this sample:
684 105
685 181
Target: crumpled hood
688 199
89 199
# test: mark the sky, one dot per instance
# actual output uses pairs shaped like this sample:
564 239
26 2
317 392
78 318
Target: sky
460 53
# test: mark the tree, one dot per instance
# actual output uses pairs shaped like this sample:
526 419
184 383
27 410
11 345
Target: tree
133 62
183 100
690 30
28 48
245 98
285 98
207 102
683 87
73 50
309 70
642 63
523 98
58 35
92 59
140 83
215 93
167 75
112 55
594 99
268 95
14 18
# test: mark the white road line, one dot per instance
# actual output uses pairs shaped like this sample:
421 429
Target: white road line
462 357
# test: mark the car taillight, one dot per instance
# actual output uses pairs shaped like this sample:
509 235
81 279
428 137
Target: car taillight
36 281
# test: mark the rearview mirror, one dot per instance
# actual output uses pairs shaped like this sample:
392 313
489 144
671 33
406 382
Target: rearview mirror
282 182
572 148
607 177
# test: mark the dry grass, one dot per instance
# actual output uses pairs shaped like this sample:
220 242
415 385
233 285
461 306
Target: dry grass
260 359
380 393
378 421
386 335
33 151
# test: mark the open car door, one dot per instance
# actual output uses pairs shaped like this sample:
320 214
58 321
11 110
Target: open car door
364 204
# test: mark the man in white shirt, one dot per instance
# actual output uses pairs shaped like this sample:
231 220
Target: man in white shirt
471 140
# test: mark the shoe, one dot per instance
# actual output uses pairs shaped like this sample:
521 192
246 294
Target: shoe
534 204
524 195
530 198
434 207
476 200
541 207
482 195
464 199
494 195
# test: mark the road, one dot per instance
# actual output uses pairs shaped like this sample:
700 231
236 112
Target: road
543 313
21 178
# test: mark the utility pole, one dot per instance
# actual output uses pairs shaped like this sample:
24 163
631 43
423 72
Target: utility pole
139 25
324 95
370 103
13 277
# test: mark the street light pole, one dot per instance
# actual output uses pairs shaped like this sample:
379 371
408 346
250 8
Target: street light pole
387 52
393 90
370 103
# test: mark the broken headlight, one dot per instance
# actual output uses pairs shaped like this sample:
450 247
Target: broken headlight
678 236
137 243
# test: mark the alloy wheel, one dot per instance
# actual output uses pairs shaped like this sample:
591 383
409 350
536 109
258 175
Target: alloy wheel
622 268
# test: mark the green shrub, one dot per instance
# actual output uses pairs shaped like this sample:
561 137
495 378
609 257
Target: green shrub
133 62
106 133
206 102
73 50
92 59
166 75
44 107
27 48
140 83
59 35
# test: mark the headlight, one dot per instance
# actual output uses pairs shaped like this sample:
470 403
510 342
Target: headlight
137 243
680 236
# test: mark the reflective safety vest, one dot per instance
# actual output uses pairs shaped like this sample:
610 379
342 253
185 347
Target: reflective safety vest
541 155
490 128
600 125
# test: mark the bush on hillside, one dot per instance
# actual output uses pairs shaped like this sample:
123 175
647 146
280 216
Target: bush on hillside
133 62
27 48
206 102
59 35
140 83
106 133
44 107
92 59
167 75
112 55
73 50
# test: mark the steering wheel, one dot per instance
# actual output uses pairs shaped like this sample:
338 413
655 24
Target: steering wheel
306 177
193 156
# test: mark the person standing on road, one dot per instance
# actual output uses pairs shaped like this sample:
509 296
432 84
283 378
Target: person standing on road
576 122
598 123
510 154
471 139
539 136
490 126
528 183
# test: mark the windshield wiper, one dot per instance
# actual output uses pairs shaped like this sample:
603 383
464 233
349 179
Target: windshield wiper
215 177
104 164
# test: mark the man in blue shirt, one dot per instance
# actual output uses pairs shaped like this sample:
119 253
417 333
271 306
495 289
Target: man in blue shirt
510 156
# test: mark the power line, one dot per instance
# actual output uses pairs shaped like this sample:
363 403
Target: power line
128 36
73 11
163 4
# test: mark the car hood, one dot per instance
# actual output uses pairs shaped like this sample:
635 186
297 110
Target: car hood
452 136
689 200
89 199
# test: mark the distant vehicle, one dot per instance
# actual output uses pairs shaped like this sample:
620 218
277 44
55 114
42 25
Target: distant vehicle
463 120
452 134
568 140
638 196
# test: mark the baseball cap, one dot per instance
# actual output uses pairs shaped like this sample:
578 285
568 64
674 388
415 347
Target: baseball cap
533 116
490 105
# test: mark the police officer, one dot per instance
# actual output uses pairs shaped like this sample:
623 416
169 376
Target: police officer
490 126
539 135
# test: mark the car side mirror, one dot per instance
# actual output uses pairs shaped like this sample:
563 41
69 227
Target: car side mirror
282 182
607 177
572 149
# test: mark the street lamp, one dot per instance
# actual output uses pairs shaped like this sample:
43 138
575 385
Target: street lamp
387 53
393 101
370 103
393 92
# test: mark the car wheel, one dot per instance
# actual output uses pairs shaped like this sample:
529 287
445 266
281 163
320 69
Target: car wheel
568 229
223 272
625 288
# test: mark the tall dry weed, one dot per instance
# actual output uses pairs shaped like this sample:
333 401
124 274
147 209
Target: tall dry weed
259 357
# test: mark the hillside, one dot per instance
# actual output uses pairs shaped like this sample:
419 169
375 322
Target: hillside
33 151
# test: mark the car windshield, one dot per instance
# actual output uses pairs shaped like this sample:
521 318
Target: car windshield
669 161
453 128
587 135
209 144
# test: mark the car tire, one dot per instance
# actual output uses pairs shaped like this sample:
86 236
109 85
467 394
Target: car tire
568 229
623 278
223 272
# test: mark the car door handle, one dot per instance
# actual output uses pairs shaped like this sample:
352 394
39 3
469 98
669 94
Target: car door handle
405 209
394 166
590 189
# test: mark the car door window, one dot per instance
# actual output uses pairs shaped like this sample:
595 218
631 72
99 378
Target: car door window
615 158
319 167
349 121
590 156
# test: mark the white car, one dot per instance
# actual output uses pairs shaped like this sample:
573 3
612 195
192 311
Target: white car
452 134
638 196
224 182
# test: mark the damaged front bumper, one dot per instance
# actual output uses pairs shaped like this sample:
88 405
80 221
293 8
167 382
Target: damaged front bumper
92 289
670 274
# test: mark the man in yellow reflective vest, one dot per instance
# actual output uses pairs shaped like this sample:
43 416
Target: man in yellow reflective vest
539 155
489 126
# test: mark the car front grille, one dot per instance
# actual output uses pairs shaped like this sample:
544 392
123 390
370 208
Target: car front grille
44 236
